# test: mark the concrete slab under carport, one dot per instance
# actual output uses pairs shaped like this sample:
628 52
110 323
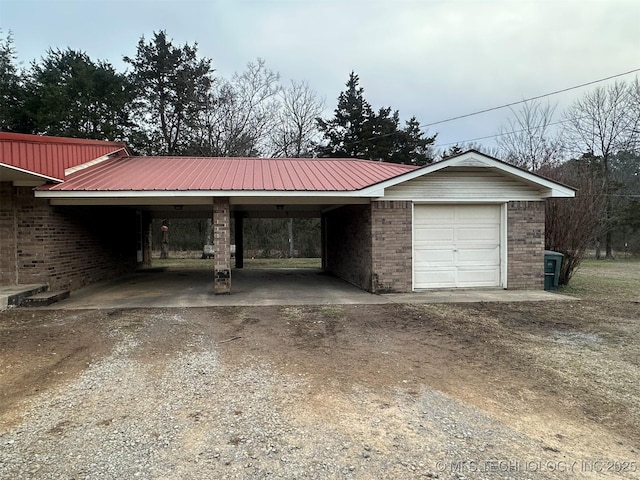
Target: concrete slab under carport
174 287
194 288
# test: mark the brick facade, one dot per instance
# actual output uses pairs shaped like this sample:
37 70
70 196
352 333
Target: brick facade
367 245
370 245
65 247
347 240
222 246
525 233
391 235
8 219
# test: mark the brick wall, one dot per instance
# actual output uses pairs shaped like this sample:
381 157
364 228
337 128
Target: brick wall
391 246
65 247
8 274
525 231
347 233
370 245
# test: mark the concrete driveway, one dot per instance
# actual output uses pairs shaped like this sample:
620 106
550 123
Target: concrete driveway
194 288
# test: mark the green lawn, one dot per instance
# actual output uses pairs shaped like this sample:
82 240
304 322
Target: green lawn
606 280
249 263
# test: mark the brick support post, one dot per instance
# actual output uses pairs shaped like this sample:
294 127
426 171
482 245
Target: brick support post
391 233
525 231
221 246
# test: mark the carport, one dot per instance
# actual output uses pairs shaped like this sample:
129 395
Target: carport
223 189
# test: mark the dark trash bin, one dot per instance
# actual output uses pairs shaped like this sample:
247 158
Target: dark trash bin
552 264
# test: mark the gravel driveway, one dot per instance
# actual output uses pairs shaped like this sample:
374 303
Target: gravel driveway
229 393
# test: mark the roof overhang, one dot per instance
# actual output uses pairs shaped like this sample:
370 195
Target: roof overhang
24 178
129 197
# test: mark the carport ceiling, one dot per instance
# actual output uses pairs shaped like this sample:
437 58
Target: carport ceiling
248 210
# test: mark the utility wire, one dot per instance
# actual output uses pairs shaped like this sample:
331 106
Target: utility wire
529 99
502 134
355 142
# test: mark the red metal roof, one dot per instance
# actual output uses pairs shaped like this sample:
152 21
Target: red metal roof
51 156
229 174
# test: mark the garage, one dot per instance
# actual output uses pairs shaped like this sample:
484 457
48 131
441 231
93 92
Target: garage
456 246
467 221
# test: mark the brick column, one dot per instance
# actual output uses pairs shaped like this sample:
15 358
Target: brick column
221 246
525 231
391 252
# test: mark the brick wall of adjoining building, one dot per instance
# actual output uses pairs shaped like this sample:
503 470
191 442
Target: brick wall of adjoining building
525 231
391 234
348 244
65 247
7 235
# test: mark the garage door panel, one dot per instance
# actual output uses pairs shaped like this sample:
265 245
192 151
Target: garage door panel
490 258
478 277
456 246
436 234
439 213
438 277
471 234
477 214
435 257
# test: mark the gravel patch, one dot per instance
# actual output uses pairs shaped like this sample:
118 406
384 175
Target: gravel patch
187 414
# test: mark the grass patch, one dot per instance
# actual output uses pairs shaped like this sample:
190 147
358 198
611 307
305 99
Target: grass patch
611 280
282 263
188 262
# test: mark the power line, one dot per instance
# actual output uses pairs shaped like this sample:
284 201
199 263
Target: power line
529 99
355 142
502 134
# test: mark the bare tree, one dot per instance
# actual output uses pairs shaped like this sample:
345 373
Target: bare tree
572 223
527 141
602 123
296 127
240 113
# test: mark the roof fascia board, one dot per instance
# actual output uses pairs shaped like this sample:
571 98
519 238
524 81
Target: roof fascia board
38 176
201 193
199 201
554 189
456 200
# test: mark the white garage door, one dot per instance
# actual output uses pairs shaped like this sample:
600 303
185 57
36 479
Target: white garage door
456 246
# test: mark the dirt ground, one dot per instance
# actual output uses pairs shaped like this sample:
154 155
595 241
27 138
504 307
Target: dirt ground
564 374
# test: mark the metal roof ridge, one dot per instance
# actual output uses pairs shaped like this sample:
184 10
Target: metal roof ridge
280 159
47 139
93 162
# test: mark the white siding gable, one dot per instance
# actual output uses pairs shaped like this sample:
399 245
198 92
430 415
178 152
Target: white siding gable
460 184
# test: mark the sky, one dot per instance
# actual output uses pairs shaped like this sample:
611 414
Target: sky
430 59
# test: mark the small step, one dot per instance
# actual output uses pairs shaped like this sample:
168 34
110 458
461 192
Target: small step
44 299
13 295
